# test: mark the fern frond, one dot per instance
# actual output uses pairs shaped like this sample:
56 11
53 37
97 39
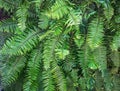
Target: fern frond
48 81
59 77
84 58
58 10
100 58
21 44
116 42
9 25
43 21
12 69
107 80
109 12
74 18
95 33
31 83
22 13
7 5
115 58
116 82
49 50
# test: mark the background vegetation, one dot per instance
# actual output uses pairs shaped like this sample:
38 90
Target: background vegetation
60 45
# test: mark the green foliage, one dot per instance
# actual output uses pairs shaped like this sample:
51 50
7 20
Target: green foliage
58 10
22 43
12 69
60 45
8 26
33 70
95 33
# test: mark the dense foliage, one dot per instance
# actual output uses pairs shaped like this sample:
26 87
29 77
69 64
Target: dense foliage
60 45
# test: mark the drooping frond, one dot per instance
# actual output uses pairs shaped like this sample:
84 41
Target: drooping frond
49 50
48 81
59 77
7 5
9 25
58 10
43 22
84 58
74 18
116 42
108 9
109 12
22 13
95 33
12 69
33 71
21 44
100 58
116 82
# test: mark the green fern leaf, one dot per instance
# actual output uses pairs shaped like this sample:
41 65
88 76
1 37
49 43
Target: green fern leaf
9 25
31 83
12 69
95 33
48 81
49 51
116 42
74 18
100 57
58 10
21 44
58 75
109 12
43 22
22 13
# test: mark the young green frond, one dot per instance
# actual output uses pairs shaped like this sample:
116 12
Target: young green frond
58 10
116 41
22 13
48 81
59 77
95 35
43 22
74 18
12 69
31 80
108 12
49 50
9 25
21 44
100 58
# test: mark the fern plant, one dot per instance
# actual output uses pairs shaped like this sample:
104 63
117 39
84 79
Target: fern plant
60 45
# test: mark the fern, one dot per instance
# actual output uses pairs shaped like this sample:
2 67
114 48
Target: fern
9 25
48 81
74 18
49 50
12 69
100 58
57 73
31 83
60 45
95 33
22 43
22 16
116 42
58 10
116 82
109 12
43 22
